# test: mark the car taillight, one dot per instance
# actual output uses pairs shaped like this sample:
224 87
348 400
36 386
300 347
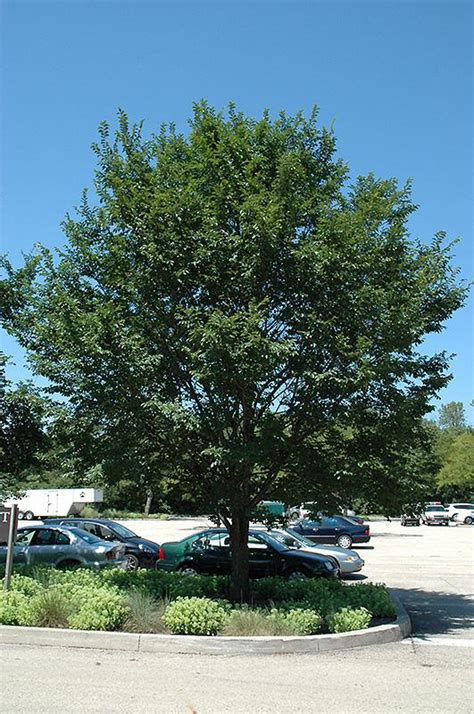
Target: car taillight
367 531
161 554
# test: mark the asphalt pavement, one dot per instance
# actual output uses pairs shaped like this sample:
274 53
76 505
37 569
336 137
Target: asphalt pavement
431 568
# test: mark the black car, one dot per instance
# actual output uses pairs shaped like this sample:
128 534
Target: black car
410 519
333 529
209 552
139 552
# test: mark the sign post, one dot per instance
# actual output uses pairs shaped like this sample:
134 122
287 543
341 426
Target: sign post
8 522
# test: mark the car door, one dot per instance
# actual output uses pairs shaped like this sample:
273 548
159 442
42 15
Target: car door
263 560
331 529
45 548
206 553
310 529
41 548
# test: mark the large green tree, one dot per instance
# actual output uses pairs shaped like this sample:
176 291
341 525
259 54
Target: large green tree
235 305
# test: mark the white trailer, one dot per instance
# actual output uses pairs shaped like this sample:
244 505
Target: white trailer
41 502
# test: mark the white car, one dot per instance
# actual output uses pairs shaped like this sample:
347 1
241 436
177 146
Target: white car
461 512
435 514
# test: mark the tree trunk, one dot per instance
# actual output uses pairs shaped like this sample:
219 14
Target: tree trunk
239 533
149 496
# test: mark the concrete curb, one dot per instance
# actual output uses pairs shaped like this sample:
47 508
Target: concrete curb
189 644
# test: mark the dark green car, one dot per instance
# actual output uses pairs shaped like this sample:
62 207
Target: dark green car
209 552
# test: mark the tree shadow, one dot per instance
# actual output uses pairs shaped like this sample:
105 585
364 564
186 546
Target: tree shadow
436 612
397 535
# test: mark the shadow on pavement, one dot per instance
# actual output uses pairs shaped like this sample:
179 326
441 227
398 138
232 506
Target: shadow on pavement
434 612
353 577
396 535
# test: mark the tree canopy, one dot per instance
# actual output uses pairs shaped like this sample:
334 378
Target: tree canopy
240 313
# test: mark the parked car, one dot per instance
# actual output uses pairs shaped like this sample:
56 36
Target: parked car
139 552
435 515
333 529
209 552
410 519
461 512
63 547
296 513
348 560
310 508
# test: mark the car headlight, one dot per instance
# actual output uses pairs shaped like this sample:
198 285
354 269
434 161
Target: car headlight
145 548
350 558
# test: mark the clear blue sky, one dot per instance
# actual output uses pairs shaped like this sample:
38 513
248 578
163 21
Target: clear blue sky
395 76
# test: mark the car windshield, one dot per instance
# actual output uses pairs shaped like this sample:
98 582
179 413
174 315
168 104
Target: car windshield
84 535
285 538
269 540
435 508
121 530
292 539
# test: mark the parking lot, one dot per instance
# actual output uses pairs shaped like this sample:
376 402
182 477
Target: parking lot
431 568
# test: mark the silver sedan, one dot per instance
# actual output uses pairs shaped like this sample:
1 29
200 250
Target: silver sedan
63 547
349 561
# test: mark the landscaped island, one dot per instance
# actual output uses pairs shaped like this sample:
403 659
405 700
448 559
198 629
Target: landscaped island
147 601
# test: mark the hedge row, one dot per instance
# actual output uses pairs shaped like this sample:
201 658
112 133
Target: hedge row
154 601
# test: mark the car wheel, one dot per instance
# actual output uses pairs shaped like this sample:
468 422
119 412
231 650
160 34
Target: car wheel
188 570
344 541
132 562
297 575
468 520
21 515
454 517
29 516
68 565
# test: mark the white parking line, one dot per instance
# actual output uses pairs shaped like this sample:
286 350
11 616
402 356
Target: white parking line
438 641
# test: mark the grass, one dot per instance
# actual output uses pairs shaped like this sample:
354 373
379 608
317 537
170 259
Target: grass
145 613
52 608
250 623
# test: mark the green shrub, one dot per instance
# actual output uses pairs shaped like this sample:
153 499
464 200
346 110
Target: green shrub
145 614
51 608
375 598
195 616
303 622
346 620
168 586
104 610
25 585
15 608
